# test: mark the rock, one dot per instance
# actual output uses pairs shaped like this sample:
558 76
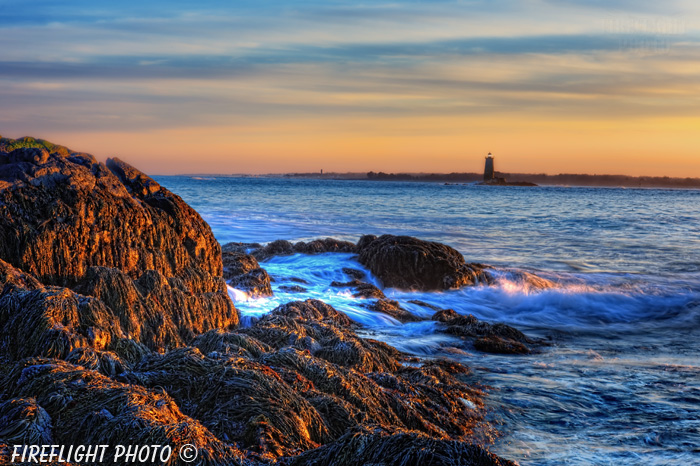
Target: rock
87 408
244 273
362 289
409 263
244 248
92 215
24 422
17 278
318 246
279 247
300 378
158 312
424 304
392 308
386 448
256 283
238 263
350 284
293 288
496 338
53 322
110 232
499 345
445 315
355 274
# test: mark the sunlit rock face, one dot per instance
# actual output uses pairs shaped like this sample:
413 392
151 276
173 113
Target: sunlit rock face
109 231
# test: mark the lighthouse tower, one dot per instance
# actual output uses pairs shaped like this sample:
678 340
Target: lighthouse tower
488 168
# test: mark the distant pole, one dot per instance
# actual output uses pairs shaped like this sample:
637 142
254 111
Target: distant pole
489 173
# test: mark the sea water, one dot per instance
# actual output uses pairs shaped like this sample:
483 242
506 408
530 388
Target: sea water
620 382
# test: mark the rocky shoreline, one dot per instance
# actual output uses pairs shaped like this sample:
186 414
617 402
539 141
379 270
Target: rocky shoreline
116 328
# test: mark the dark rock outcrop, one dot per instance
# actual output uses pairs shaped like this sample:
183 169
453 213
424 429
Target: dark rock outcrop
53 399
362 289
318 246
380 447
355 274
489 338
243 272
292 288
409 263
394 309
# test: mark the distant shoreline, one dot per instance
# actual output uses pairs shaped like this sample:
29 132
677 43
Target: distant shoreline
539 179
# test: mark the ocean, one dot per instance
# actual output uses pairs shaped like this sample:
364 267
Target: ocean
620 382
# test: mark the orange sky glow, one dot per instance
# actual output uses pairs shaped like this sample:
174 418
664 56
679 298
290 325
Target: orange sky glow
547 87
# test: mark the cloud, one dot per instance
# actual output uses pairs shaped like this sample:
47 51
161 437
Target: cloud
150 66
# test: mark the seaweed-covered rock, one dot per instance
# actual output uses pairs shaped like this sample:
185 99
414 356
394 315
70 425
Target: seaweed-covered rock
500 345
243 272
355 274
393 308
318 246
387 448
53 322
279 247
362 289
489 338
87 408
275 399
62 215
409 263
156 311
293 288
240 247
314 326
23 421
17 278
249 404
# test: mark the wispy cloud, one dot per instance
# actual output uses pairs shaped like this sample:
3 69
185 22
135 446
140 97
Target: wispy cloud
139 66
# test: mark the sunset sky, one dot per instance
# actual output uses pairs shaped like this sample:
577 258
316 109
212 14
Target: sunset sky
404 86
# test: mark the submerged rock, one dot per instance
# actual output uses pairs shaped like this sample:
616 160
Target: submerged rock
394 309
362 289
409 263
293 288
355 274
489 338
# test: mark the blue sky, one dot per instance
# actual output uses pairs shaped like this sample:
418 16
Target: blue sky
267 86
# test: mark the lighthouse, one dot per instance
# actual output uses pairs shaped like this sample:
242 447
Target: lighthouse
488 168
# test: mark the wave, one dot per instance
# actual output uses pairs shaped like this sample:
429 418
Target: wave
542 300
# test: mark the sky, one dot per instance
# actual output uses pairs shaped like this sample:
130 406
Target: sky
261 86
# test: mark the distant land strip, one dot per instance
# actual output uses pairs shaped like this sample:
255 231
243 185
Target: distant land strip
537 178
